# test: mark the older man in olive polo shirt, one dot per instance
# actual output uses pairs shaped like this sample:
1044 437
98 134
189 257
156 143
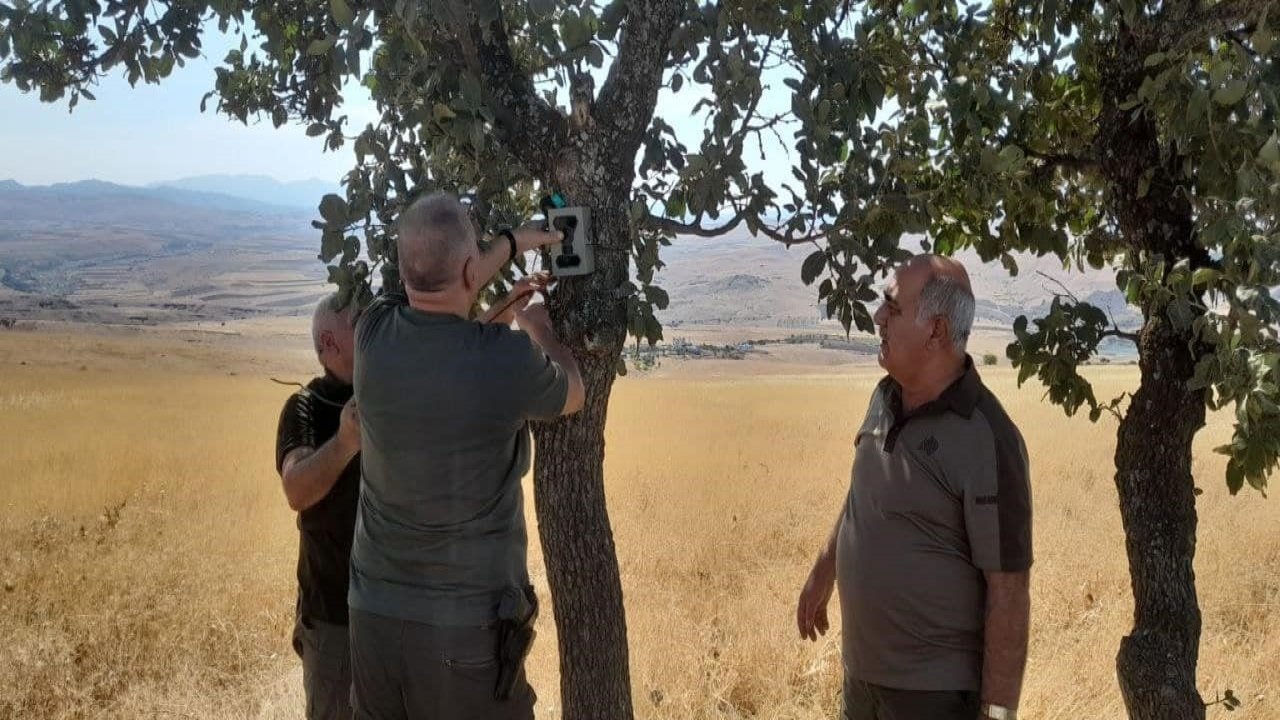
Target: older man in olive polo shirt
932 549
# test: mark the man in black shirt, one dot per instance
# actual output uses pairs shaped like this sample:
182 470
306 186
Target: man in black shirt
318 457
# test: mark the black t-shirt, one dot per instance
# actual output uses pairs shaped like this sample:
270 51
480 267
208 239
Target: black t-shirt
310 417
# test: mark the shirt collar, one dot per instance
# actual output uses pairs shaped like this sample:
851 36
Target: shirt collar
960 397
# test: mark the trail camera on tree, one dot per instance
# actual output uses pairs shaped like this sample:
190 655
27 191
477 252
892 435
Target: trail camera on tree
1139 136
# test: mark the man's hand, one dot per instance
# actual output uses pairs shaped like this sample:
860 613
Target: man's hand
349 427
811 611
534 320
504 311
531 236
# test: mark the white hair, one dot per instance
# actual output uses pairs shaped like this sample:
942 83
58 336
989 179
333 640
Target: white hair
945 296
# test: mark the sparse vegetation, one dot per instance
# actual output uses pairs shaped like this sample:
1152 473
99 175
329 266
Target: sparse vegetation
989 359
147 559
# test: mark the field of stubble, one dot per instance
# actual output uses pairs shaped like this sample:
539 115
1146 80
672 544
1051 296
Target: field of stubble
146 552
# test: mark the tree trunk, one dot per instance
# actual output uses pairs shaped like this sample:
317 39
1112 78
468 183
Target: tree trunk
573 520
1156 664
582 565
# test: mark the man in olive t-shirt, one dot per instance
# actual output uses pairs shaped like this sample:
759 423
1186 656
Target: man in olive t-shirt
445 404
932 548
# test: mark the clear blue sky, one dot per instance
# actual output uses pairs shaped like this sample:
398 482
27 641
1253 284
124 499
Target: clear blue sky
153 133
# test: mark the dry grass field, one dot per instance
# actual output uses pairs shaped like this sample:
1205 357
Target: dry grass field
146 552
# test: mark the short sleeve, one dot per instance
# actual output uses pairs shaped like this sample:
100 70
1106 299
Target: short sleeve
296 428
997 501
539 385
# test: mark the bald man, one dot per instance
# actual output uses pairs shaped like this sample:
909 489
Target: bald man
932 549
317 456
441 604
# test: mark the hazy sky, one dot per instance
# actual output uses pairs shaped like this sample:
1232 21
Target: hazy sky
153 133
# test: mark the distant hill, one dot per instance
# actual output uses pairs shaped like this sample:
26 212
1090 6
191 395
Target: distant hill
741 280
88 194
98 251
303 194
189 251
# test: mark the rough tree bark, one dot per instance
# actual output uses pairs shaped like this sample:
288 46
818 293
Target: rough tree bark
1156 664
594 166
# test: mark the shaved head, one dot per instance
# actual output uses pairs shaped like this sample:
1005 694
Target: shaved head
333 336
435 237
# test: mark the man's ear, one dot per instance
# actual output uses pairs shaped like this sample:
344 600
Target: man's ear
468 274
941 331
328 341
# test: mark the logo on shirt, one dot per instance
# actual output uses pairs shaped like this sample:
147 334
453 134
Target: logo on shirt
928 446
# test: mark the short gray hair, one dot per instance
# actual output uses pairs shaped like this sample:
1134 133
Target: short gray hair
433 236
328 314
948 297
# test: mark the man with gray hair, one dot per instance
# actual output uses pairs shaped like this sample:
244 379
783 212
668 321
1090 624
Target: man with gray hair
440 547
932 549
318 458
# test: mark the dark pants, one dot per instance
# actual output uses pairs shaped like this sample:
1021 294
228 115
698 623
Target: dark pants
405 670
864 701
326 668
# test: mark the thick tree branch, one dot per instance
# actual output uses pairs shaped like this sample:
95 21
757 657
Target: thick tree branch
530 128
630 93
678 228
1117 333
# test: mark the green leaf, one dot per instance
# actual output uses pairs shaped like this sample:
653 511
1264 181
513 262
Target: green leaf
677 81
342 14
1205 276
542 8
330 244
657 297
443 112
1235 477
1232 93
321 46
316 129
595 55
1269 155
1153 59
652 329
813 266
334 210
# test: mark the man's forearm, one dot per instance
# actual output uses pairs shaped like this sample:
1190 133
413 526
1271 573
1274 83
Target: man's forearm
308 479
563 357
494 259
1008 623
830 551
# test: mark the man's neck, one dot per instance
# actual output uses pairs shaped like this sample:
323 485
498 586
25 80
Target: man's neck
934 380
446 302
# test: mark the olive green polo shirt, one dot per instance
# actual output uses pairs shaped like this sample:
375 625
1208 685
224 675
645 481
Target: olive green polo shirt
445 405
938 496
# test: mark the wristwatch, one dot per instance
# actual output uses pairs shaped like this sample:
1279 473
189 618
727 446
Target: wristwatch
998 712
511 238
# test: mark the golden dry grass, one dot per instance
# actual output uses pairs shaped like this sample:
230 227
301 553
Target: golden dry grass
146 553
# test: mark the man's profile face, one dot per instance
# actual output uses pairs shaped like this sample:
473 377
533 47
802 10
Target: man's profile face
903 342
